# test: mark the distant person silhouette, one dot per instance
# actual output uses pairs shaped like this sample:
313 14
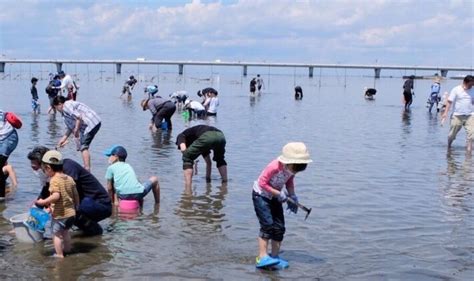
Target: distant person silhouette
260 84
408 91
369 93
253 86
298 93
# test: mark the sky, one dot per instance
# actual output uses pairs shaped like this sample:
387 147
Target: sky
400 32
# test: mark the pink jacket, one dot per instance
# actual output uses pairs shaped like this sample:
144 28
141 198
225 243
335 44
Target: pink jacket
273 176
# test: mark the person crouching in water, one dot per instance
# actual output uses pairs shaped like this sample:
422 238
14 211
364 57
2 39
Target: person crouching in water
268 196
161 109
195 108
122 180
63 201
298 93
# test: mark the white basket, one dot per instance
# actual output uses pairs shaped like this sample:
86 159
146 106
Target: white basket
22 231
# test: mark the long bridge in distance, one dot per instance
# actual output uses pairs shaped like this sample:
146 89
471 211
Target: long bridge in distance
141 61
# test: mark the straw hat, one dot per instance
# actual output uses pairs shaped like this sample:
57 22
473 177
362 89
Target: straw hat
294 153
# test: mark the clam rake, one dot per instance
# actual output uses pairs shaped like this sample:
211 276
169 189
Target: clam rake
301 206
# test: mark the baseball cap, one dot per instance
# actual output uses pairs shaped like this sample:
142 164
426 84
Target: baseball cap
53 157
116 150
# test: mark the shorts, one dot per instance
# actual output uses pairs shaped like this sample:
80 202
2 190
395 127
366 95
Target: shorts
270 216
87 138
137 196
211 140
58 225
459 121
51 101
8 144
34 104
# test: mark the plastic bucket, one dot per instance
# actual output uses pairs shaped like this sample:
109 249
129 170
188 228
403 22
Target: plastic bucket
22 231
129 206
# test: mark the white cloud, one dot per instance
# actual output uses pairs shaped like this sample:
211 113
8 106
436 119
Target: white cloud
260 29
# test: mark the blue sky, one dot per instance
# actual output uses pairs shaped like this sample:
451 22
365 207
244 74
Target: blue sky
402 32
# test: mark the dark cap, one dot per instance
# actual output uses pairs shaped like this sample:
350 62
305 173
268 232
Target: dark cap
116 150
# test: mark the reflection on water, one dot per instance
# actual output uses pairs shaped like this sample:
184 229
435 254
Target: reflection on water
406 121
35 128
457 188
55 128
202 211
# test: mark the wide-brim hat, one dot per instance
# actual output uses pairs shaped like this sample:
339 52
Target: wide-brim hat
295 153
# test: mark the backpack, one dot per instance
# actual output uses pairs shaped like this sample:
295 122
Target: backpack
49 89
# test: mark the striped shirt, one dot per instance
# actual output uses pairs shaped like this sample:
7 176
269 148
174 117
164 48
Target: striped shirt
73 110
66 187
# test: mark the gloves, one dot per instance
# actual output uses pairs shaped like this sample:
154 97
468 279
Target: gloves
293 207
282 197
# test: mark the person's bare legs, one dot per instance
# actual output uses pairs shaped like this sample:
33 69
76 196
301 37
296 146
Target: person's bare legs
469 146
67 241
275 248
156 188
188 178
86 158
223 172
58 244
262 247
207 159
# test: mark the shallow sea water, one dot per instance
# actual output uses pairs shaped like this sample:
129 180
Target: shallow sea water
388 202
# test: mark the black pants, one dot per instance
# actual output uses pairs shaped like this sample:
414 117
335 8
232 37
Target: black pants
3 177
165 112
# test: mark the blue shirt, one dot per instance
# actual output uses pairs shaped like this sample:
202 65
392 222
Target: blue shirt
124 178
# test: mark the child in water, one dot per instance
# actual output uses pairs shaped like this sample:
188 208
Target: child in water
34 96
63 201
268 196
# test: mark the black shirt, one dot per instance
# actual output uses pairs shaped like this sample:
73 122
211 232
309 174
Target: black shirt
189 135
87 184
34 92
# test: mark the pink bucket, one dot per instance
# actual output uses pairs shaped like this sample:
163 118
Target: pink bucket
129 205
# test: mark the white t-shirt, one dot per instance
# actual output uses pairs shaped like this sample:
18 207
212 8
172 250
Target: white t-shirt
462 100
68 82
195 105
5 127
213 104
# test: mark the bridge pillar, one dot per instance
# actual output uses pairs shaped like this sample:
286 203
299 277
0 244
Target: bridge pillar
118 68
2 67
244 71
377 72
59 66
181 68
444 72
311 72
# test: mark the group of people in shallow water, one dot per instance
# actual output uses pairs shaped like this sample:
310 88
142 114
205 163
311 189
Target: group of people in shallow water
75 197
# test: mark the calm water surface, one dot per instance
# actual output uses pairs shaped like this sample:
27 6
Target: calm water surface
388 202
